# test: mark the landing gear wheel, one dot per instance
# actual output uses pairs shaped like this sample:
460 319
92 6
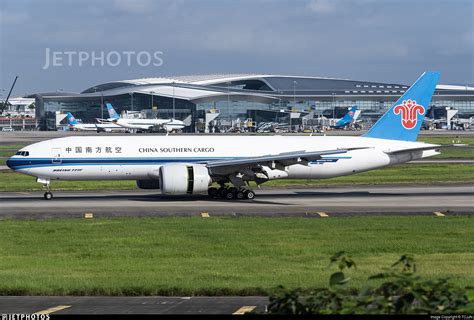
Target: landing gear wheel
222 191
249 194
239 195
213 192
48 195
229 194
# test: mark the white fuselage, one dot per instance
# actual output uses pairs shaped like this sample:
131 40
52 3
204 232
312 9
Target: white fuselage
97 127
145 124
139 158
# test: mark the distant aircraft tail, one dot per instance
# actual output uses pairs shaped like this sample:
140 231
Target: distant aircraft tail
112 113
188 120
348 117
404 119
70 119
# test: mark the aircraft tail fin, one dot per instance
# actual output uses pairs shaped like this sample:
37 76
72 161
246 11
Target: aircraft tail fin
404 119
187 121
348 117
112 113
71 120
350 114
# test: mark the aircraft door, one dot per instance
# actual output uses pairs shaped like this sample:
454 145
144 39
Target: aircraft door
56 155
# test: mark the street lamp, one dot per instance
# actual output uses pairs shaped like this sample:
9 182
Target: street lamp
333 106
294 101
228 99
151 93
102 105
174 103
279 99
131 100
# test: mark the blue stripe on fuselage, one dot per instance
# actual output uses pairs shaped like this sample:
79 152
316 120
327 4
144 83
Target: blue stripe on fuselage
17 163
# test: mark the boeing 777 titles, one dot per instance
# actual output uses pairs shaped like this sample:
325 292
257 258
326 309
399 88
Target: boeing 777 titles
191 164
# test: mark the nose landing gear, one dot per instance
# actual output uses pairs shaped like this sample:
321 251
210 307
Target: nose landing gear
48 195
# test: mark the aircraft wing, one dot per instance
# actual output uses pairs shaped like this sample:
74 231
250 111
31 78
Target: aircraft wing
432 147
273 161
416 149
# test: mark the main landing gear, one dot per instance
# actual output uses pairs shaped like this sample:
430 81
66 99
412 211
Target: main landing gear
231 193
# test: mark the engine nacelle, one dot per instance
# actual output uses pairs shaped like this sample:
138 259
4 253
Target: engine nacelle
148 184
184 178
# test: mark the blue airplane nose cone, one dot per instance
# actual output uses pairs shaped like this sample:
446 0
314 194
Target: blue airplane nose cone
10 163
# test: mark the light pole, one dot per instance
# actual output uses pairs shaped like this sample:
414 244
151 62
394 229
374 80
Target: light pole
174 103
333 106
294 101
151 93
102 105
228 99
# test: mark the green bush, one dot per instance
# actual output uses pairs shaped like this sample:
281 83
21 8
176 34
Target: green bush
401 291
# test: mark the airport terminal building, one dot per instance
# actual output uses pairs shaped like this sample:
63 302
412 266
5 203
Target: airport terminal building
240 96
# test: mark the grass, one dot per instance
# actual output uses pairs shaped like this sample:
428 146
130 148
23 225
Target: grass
410 173
447 140
450 153
12 181
11 146
7 153
214 256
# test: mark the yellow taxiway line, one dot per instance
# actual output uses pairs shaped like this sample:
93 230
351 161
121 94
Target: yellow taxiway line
244 310
51 310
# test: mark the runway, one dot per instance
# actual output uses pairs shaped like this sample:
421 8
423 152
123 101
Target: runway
131 305
304 202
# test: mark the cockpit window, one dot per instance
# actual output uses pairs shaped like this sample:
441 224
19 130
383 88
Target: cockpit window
23 153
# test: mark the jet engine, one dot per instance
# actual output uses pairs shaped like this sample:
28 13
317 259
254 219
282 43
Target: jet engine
184 178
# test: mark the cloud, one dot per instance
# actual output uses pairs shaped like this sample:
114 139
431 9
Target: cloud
12 18
322 6
134 6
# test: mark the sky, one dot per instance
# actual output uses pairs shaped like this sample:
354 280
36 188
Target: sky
383 40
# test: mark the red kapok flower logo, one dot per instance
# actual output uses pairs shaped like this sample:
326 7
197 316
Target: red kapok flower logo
409 110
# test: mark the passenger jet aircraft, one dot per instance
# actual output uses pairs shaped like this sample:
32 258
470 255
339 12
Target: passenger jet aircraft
190 164
99 127
350 117
143 124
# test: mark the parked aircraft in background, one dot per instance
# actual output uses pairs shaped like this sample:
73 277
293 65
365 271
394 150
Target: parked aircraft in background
99 127
145 124
190 164
349 118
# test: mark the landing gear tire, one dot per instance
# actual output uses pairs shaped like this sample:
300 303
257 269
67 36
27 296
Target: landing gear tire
213 192
222 192
249 194
48 195
239 195
229 194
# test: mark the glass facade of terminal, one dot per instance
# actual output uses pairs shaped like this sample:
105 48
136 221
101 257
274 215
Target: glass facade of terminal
269 95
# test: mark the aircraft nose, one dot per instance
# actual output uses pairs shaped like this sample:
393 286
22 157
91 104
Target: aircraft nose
10 163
